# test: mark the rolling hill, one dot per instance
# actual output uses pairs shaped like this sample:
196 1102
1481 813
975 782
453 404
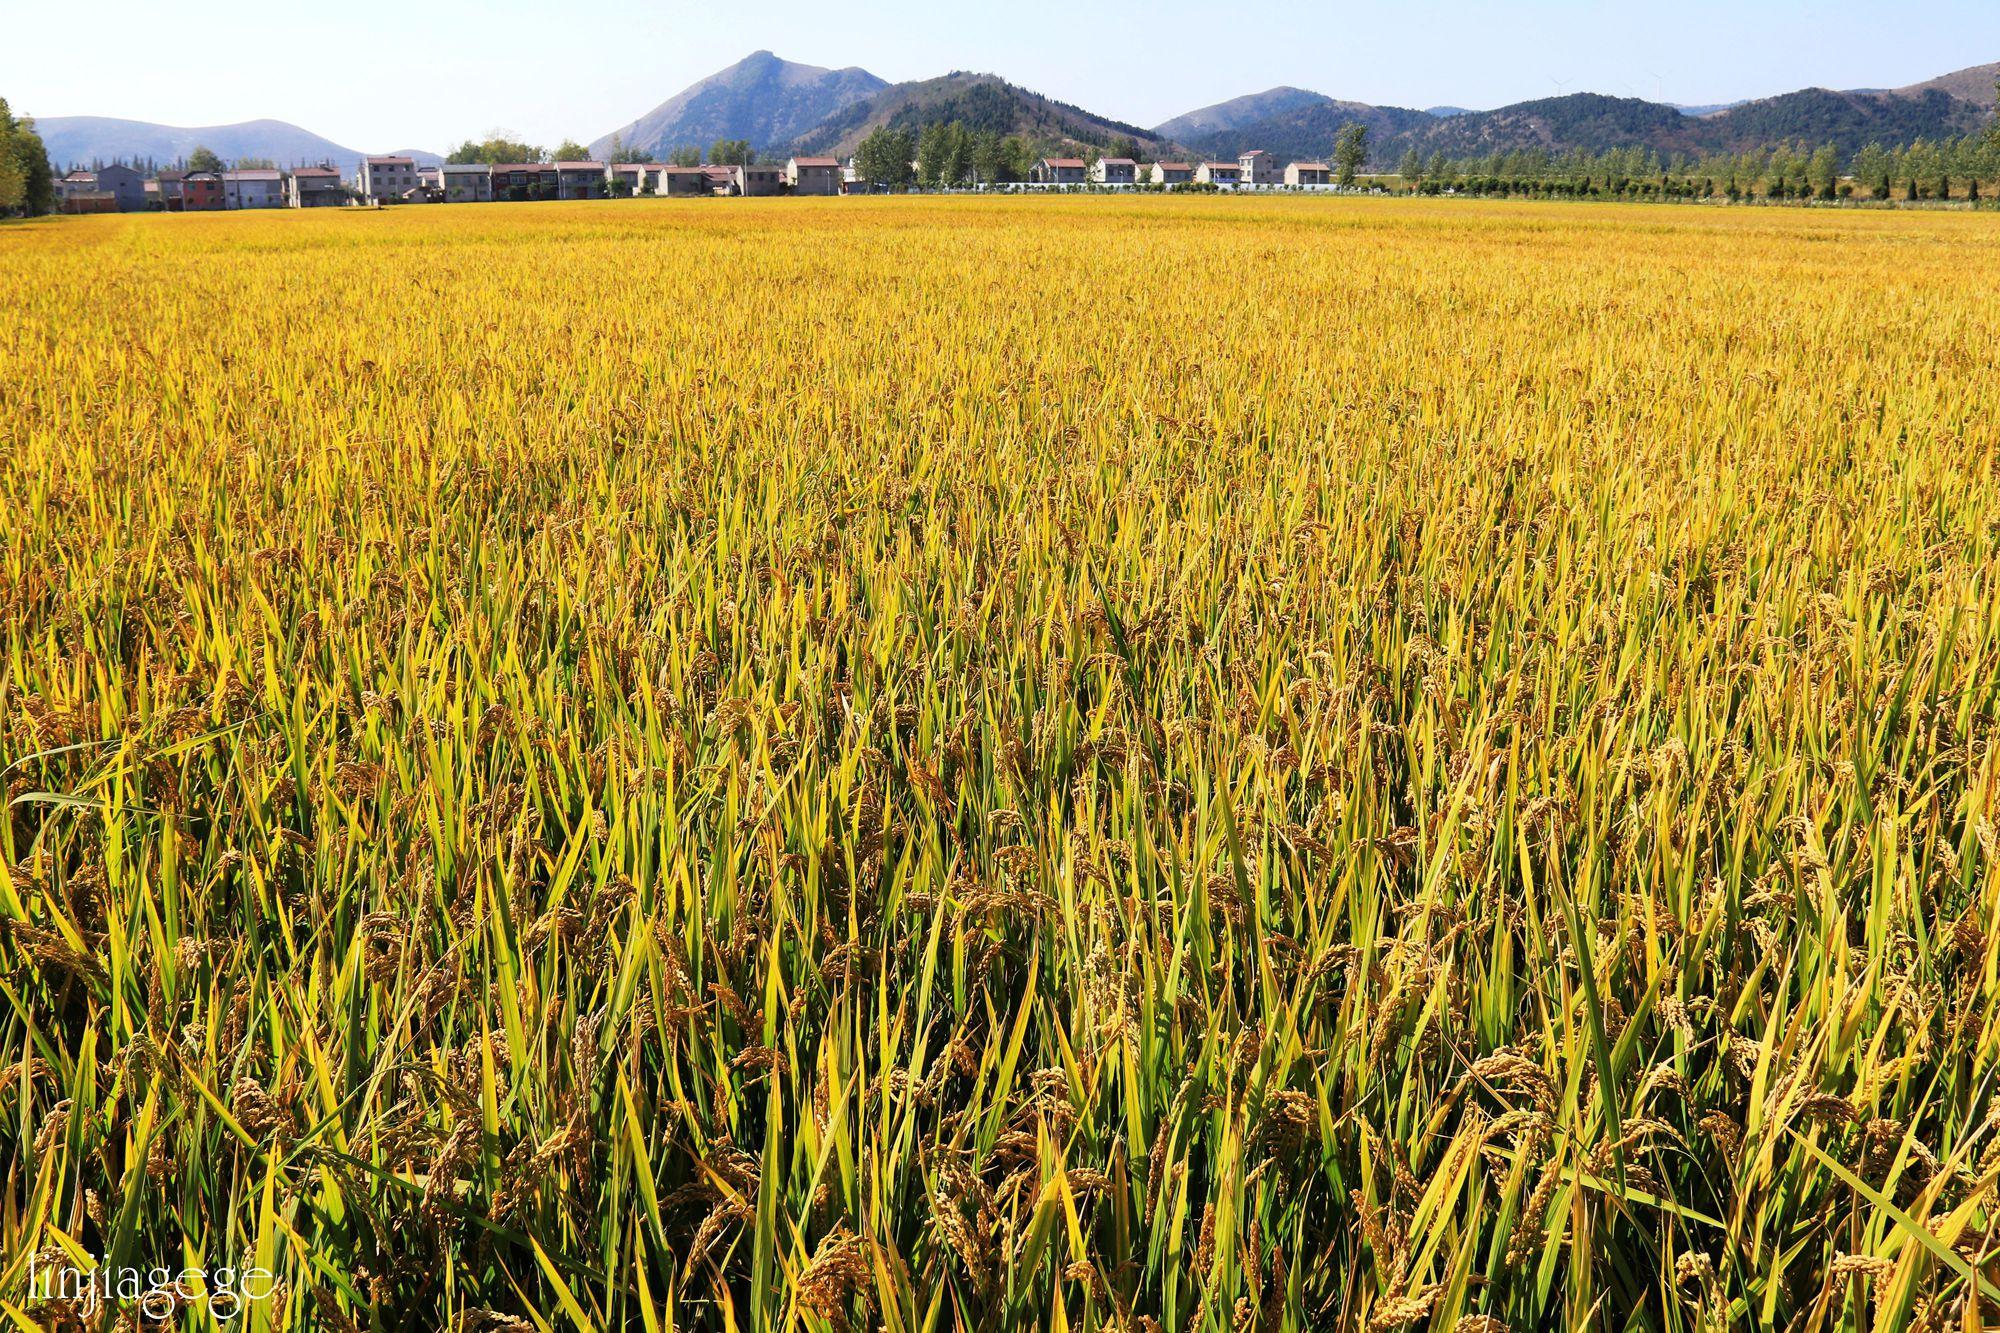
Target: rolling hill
1973 84
984 102
1594 122
761 98
82 140
1245 110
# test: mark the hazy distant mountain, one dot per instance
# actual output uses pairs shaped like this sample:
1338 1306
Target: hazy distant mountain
1443 111
760 98
980 102
1237 111
81 140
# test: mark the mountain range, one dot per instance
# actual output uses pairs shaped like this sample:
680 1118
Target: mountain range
1291 124
782 107
81 140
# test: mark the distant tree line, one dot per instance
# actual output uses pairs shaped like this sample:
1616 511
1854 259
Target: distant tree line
27 182
1945 169
498 148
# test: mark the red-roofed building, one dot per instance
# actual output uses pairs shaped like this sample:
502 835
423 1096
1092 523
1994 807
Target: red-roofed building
813 175
1115 171
1219 173
1058 171
1172 173
1308 173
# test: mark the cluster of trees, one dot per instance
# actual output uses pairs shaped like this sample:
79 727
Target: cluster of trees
942 155
498 147
723 152
27 182
945 155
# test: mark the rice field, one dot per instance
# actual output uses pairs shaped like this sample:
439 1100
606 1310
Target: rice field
1087 764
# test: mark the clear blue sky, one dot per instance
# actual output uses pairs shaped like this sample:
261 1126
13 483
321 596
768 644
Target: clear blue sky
379 74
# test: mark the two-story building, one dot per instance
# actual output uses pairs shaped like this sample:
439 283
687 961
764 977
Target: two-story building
813 175
579 180
315 187
1256 167
1308 173
1218 173
467 182
253 188
759 180
1115 171
386 180
1058 171
625 179
682 182
125 185
524 180
1172 173
201 192
165 190
77 192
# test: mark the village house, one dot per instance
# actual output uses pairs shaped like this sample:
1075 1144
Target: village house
1308 173
125 185
721 179
315 187
1218 173
579 180
626 178
1256 167
253 187
524 180
1115 171
813 175
1057 171
77 192
467 182
201 192
1172 173
757 181
75 182
680 182
644 176
386 180
164 190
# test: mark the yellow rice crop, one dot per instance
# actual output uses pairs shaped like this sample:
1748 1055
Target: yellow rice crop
981 764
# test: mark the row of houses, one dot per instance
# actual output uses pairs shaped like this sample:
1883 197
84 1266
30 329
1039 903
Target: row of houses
121 189
401 180
1254 168
475 182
